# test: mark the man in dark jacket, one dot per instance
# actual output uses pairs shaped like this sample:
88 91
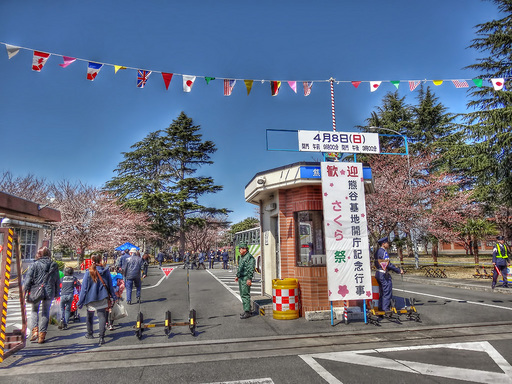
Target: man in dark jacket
43 271
132 275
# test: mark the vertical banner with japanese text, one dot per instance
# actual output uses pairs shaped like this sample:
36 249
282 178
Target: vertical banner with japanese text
346 232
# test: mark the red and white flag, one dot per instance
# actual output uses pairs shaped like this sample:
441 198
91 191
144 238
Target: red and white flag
413 84
228 86
374 85
39 60
11 50
498 84
460 83
188 82
92 70
307 87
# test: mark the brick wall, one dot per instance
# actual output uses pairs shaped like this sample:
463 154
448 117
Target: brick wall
312 280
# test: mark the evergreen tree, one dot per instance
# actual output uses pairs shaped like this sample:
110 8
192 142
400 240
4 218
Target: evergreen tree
156 177
489 157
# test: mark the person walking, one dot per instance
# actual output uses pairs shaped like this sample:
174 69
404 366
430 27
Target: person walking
133 269
500 262
42 271
211 260
96 293
200 260
67 292
244 277
145 264
383 266
225 259
160 258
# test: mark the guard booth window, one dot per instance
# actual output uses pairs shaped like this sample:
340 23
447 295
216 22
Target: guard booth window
309 229
28 239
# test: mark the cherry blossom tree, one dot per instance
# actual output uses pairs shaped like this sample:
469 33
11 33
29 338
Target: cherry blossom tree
206 236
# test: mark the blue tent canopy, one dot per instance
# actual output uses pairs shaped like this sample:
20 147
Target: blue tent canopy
126 246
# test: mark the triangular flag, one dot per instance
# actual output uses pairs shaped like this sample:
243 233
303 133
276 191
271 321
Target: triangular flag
437 82
274 87
12 50
228 86
307 87
293 85
208 79
188 82
498 84
356 83
39 60
117 68
413 84
92 70
67 61
142 77
478 82
167 79
396 83
374 85
460 83
248 85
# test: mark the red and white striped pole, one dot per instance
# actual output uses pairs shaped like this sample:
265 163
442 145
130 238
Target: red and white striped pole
332 105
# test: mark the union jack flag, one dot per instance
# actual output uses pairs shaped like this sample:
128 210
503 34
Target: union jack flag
142 77
414 84
228 86
460 83
307 87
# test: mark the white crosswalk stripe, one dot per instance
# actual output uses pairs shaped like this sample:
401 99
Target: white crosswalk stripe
227 278
14 318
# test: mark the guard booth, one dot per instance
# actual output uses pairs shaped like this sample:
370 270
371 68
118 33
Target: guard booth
292 230
22 227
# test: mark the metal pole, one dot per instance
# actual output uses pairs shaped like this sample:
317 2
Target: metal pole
331 80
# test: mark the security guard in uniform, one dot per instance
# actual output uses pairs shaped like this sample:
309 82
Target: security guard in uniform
244 275
500 261
383 266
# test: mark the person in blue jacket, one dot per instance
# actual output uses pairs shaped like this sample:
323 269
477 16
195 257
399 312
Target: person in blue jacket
96 290
500 262
383 266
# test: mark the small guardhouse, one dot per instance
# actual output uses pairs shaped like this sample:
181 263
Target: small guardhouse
293 240
22 223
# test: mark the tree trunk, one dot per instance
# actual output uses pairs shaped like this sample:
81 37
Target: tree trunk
400 251
435 251
475 251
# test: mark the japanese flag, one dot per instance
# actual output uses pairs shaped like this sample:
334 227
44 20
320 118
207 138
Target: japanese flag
188 82
374 85
39 60
498 84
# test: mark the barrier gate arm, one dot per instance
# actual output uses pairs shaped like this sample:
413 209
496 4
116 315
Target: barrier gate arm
12 342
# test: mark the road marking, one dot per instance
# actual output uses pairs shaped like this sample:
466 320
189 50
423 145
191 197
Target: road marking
449 298
225 286
157 284
413 367
250 381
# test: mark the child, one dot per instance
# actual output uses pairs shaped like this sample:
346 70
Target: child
118 284
69 284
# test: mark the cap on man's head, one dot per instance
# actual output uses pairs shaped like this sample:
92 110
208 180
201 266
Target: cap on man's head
243 245
500 238
133 250
383 240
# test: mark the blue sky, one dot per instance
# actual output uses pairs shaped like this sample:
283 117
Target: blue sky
58 125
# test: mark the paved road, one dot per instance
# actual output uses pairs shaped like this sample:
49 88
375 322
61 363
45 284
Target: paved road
463 337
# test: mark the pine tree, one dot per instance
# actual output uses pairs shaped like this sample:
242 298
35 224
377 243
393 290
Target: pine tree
489 158
156 177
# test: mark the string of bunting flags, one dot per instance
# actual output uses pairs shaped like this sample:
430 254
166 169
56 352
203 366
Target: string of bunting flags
40 58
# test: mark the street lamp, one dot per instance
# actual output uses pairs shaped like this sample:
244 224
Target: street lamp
416 257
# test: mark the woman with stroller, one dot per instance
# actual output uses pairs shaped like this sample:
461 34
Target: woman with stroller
42 271
96 293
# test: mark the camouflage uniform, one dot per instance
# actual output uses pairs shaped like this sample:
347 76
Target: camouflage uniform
245 272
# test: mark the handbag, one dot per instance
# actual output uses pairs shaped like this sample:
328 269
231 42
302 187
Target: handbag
37 292
118 311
